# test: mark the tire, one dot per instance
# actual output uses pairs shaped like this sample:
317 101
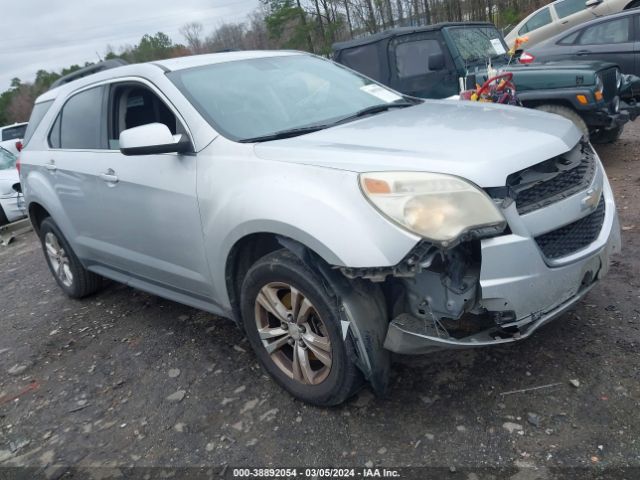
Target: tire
71 276
567 113
272 288
607 136
3 218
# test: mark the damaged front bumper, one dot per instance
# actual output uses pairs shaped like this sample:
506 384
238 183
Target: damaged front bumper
519 289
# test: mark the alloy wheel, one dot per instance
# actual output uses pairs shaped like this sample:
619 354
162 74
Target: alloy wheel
293 333
59 259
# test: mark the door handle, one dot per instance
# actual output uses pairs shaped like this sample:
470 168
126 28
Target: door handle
51 166
109 176
565 22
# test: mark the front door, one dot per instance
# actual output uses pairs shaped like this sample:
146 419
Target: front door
610 41
410 70
153 230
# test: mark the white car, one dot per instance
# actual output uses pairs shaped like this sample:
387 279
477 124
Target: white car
11 202
561 15
12 134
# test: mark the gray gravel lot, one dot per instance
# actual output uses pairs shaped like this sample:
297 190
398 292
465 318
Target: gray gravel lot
128 379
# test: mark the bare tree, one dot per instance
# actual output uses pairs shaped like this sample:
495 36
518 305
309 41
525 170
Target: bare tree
192 33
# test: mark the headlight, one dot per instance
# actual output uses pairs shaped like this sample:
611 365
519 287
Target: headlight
438 207
599 84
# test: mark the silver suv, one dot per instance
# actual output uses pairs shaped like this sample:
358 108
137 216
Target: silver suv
333 219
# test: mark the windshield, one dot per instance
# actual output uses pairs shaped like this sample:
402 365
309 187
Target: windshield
249 99
7 159
478 44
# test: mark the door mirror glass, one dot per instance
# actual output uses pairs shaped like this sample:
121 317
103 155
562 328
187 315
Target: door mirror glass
151 139
436 61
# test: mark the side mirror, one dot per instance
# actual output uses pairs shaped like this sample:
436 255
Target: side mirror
593 3
151 139
436 61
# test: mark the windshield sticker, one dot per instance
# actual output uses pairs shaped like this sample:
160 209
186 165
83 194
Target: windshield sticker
497 46
381 93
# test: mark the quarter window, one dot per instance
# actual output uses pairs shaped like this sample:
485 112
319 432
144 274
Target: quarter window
79 125
569 7
37 114
540 19
613 31
413 57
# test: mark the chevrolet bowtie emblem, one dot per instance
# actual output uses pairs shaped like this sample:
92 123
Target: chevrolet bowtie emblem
591 201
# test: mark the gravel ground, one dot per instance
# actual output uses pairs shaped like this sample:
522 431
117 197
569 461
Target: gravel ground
128 379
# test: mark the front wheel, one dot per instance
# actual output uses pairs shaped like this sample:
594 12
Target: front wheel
293 325
71 276
567 113
607 136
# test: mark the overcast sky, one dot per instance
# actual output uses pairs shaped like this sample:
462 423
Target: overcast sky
53 34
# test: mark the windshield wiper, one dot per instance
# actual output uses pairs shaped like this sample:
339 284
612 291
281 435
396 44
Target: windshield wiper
292 132
374 109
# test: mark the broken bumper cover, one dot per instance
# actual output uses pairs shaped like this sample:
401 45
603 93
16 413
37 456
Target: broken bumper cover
516 278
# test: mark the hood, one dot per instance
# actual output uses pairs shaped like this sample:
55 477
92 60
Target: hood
483 143
8 178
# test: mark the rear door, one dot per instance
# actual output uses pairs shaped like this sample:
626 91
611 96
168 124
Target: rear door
410 70
608 40
78 142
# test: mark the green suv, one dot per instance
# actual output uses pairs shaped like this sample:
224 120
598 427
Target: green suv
437 61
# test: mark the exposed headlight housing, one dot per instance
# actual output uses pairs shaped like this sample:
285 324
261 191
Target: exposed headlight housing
440 208
618 79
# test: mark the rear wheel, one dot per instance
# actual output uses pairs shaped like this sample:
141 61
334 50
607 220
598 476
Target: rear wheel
567 113
71 276
293 325
607 136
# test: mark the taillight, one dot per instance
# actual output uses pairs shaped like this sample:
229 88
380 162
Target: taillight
19 145
526 58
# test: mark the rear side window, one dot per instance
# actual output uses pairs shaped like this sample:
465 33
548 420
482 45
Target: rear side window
613 31
13 133
363 59
80 124
540 19
413 57
569 7
37 114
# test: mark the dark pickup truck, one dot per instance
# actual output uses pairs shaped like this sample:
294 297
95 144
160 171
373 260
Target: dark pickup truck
438 61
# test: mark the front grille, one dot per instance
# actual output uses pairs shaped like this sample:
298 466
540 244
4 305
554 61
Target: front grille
573 237
610 84
554 179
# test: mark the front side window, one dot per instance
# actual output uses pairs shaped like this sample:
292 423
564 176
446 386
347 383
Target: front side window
613 31
570 39
248 99
13 133
133 105
79 124
412 58
540 19
569 7
7 159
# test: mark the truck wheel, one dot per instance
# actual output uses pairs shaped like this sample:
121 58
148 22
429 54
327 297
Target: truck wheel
293 325
607 136
71 276
567 113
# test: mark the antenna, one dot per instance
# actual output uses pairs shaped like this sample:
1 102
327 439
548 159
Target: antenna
99 57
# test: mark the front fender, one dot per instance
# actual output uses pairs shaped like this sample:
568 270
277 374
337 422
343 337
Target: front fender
321 208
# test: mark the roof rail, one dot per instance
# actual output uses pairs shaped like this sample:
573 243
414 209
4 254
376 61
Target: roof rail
90 70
